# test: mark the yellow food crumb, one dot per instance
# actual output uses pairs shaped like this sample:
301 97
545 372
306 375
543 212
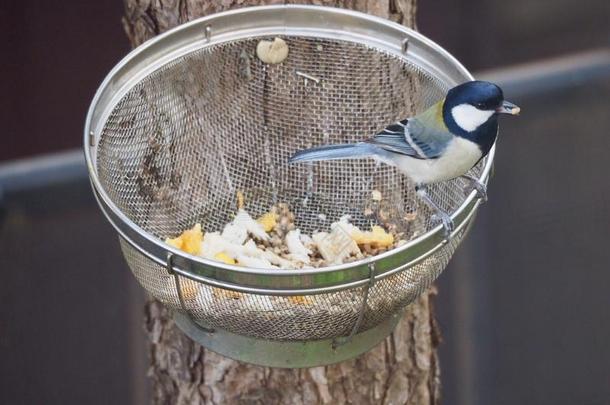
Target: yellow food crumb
300 300
176 242
189 241
377 237
225 258
268 221
240 200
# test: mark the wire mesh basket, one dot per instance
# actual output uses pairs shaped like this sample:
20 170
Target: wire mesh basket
190 118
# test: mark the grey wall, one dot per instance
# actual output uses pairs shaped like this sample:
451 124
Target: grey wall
71 327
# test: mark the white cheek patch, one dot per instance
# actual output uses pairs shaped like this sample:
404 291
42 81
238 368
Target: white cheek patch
468 117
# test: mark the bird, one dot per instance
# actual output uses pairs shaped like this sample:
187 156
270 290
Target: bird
441 143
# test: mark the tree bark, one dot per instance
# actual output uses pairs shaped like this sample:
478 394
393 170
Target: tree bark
146 18
403 369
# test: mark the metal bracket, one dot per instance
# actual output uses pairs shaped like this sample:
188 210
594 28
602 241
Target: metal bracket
170 269
340 341
405 45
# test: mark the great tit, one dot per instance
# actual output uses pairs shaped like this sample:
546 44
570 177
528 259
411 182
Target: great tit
441 143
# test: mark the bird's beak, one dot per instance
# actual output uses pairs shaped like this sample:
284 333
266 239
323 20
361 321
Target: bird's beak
508 108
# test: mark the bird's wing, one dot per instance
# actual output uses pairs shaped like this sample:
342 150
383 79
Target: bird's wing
429 134
392 139
413 138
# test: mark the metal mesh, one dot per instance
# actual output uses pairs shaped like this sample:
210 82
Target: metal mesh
284 318
180 144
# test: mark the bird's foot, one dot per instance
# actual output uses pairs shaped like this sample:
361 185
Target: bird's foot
439 214
480 188
448 225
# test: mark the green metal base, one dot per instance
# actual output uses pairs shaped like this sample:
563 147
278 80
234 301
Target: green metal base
285 354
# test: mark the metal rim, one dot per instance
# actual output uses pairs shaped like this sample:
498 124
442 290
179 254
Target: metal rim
263 21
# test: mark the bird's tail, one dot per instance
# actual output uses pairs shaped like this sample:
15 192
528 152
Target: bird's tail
334 152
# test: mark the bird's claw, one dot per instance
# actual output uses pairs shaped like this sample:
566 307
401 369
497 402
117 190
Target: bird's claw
479 187
445 218
448 225
481 190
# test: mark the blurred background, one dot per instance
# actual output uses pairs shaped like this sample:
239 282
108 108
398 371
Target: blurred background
523 306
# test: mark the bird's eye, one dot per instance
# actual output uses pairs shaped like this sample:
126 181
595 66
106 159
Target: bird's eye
479 105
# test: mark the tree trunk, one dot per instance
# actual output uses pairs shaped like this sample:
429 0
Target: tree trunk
403 369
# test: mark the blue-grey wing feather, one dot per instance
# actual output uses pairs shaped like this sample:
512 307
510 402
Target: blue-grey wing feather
413 138
429 135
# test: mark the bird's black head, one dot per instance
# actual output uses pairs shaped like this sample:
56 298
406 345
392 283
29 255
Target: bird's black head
471 109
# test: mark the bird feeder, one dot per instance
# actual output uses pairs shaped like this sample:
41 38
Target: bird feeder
194 116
